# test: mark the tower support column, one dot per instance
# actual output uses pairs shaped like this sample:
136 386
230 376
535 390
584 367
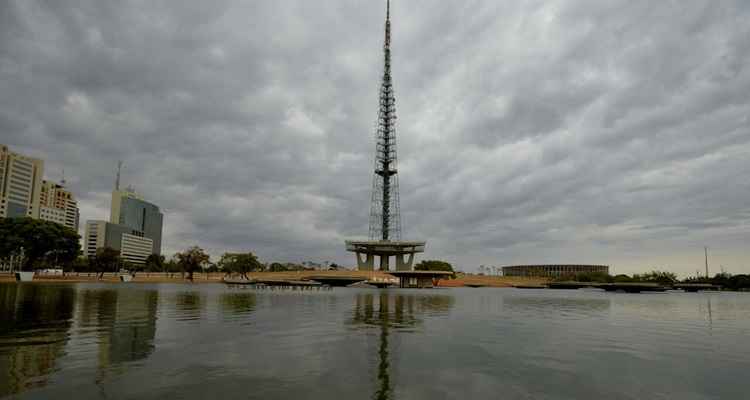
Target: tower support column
366 264
384 262
404 262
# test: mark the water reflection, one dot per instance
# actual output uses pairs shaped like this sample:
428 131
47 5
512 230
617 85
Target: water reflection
237 305
710 313
101 341
34 328
123 322
584 306
393 310
189 305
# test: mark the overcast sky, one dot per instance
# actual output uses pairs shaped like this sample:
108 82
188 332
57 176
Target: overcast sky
606 132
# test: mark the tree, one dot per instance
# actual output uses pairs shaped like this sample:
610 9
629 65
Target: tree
725 280
660 277
622 278
81 264
155 263
191 260
106 259
131 267
276 267
433 265
40 241
211 267
240 263
171 265
733 282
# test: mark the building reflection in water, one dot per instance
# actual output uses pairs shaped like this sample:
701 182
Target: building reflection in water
125 322
388 310
189 306
34 329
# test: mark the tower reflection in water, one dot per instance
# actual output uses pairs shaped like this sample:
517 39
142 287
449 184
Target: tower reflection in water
392 313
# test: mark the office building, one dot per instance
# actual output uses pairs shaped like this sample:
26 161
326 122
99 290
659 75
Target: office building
134 227
57 204
130 243
129 209
20 184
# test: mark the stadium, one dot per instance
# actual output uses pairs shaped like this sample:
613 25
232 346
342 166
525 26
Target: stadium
553 270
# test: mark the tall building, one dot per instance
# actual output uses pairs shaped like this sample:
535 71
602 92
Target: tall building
131 210
20 184
25 193
130 243
134 227
57 204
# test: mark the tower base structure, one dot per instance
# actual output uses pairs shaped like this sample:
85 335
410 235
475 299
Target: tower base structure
420 279
367 250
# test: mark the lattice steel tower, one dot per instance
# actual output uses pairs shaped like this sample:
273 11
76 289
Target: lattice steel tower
385 220
385 214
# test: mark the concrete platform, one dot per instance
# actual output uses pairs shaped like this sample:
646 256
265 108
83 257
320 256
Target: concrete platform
379 284
367 250
696 287
419 279
628 287
337 281
634 287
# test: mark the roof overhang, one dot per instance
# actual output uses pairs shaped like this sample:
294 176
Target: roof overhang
385 247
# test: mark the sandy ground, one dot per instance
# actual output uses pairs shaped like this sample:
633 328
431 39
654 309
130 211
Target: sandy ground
145 277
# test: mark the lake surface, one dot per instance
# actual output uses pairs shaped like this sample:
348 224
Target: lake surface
172 341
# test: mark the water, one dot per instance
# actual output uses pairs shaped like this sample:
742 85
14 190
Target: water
134 341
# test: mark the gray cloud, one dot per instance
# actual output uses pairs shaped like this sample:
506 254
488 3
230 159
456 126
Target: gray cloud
534 131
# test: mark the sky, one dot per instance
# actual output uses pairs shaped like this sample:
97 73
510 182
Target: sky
596 132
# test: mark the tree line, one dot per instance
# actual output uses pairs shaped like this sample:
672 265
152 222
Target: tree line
187 262
37 244
34 244
725 280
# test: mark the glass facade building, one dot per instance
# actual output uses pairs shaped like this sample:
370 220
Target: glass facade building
144 217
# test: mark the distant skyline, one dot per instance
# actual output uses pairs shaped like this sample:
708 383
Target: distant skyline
528 132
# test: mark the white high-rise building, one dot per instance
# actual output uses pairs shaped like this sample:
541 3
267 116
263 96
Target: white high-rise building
95 235
20 184
25 193
130 243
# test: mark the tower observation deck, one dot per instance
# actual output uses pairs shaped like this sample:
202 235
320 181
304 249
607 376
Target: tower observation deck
385 214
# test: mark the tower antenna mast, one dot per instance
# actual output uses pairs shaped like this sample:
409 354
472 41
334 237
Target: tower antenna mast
117 180
705 250
385 215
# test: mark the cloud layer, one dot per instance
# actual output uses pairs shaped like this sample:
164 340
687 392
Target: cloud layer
529 131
